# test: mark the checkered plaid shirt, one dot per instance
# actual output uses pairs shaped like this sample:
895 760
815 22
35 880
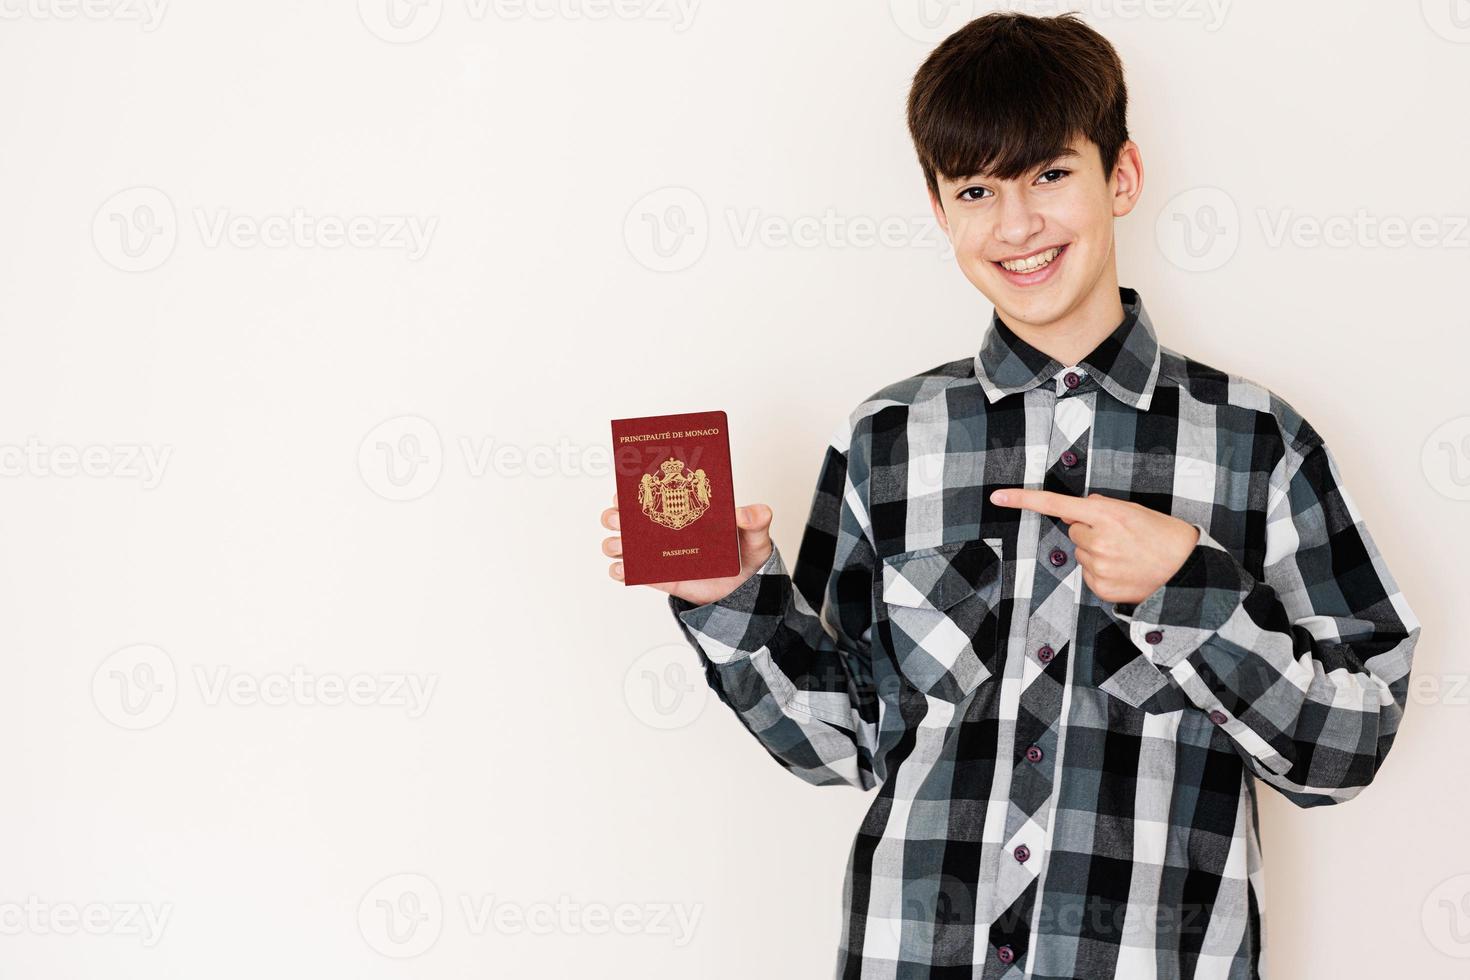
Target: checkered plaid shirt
1066 786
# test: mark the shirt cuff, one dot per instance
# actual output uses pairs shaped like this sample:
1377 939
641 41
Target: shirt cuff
1181 615
744 619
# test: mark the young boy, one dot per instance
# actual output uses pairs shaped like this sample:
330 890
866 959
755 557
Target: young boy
1064 601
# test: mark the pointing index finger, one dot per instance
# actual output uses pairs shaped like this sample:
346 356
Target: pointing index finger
1062 505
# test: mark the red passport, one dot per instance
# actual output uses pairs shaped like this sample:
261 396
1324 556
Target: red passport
676 500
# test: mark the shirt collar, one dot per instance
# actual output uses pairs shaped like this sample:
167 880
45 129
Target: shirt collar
1125 363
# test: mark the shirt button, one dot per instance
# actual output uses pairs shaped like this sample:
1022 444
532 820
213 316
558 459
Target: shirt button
1005 954
1045 654
1033 754
1022 852
1154 636
1219 717
1072 379
1058 557
1069 458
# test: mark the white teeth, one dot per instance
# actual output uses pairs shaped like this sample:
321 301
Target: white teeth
1034 262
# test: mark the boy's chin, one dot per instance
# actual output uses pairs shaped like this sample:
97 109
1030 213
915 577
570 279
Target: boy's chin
1030 304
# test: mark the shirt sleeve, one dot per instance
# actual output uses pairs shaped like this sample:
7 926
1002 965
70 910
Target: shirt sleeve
1307 668
790 654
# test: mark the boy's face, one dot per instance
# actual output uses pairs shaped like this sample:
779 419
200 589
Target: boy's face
1066 204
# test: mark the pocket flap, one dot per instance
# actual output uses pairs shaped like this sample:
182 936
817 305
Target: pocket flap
1123 671
1136 682
939 577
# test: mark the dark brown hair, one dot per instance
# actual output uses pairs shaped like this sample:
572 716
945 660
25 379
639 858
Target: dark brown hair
1008 91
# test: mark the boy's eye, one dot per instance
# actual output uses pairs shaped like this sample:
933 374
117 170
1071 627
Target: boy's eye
978 193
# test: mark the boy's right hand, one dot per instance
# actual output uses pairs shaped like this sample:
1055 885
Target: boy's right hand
754 523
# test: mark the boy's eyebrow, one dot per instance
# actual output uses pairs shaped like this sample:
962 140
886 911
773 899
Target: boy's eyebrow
1065 154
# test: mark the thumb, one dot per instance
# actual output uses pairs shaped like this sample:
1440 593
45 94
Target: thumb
754 522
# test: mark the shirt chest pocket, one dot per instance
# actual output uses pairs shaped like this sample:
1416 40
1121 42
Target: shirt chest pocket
938 612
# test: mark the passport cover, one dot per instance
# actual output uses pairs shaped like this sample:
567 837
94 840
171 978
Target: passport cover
676 499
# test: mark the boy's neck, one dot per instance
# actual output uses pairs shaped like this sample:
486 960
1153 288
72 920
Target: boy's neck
1076 334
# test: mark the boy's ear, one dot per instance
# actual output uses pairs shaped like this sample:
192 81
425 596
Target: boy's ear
1129 176
939 214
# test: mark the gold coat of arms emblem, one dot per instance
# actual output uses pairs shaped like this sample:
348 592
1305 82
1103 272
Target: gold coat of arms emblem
675 497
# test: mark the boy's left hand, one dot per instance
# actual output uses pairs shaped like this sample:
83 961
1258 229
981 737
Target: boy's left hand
1125 549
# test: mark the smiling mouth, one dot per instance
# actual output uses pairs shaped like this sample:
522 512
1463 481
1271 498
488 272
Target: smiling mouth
1032 263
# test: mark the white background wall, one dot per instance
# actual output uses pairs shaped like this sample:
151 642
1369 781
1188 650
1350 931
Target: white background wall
170 630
